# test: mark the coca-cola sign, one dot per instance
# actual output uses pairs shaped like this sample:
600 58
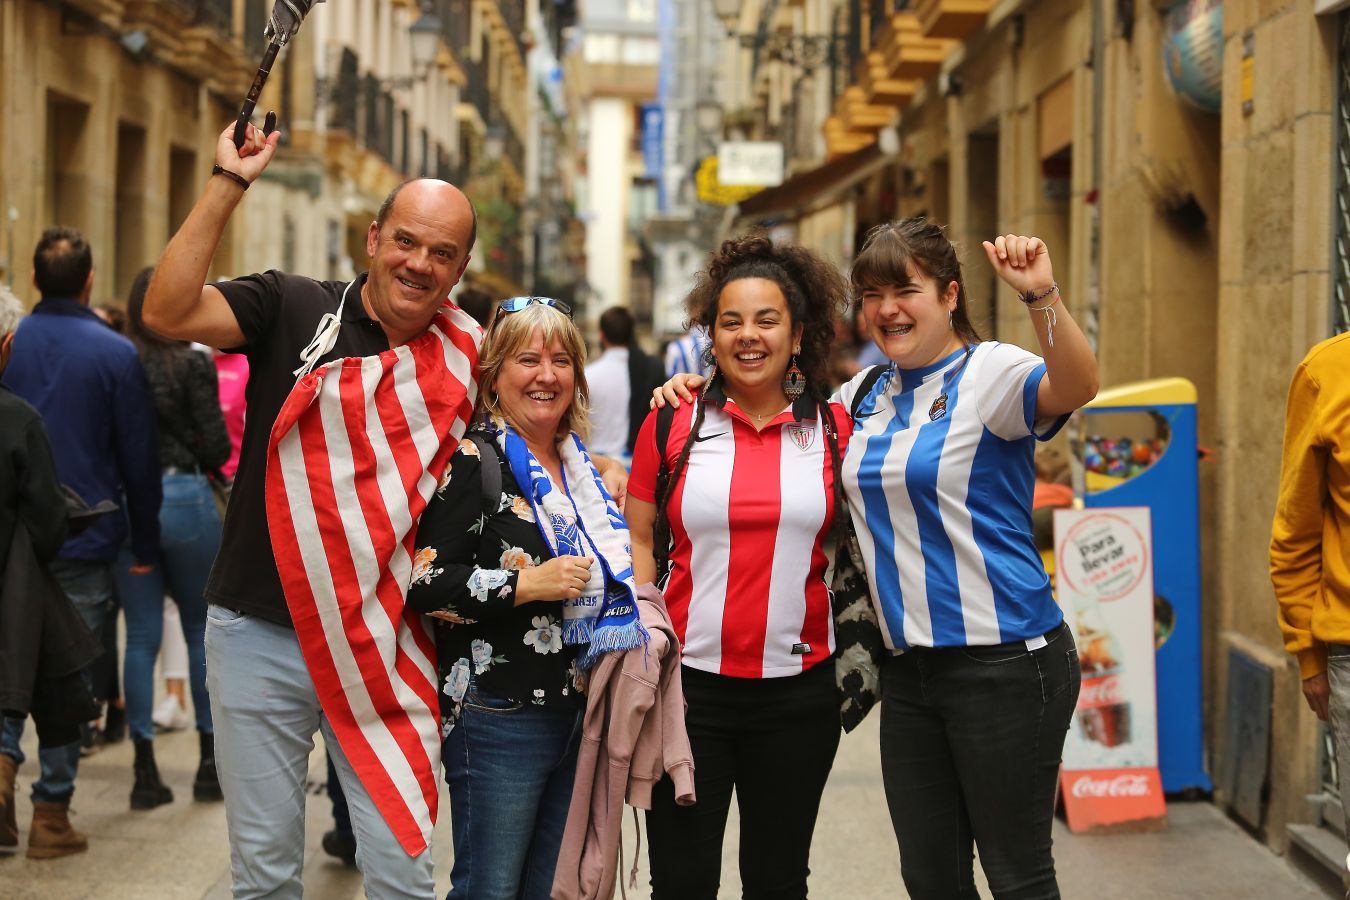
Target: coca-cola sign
1127 785
1108 690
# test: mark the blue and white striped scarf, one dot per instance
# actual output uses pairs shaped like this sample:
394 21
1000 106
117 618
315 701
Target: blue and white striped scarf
607 621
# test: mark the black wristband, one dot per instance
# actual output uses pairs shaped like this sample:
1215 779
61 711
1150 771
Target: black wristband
233 176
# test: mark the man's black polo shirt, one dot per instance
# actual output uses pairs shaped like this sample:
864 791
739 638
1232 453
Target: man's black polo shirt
278 314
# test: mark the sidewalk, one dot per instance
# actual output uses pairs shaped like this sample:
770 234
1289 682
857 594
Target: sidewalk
180 850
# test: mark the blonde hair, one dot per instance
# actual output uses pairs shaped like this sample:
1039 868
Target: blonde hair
512 331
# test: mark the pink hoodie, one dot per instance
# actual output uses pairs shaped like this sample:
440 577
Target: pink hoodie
633 734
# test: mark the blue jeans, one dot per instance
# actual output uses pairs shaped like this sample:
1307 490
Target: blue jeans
89 586
266 712
190 536
510 768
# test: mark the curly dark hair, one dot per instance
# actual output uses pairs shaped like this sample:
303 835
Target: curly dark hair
816 295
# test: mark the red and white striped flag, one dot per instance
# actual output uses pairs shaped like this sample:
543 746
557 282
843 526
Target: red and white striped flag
353 459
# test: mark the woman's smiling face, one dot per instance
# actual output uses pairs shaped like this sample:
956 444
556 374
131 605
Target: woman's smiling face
535 387
911 322
753 335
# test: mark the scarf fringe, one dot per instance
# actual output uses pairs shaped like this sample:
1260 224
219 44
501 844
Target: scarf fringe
613 638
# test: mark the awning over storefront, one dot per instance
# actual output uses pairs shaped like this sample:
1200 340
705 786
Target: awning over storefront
812 190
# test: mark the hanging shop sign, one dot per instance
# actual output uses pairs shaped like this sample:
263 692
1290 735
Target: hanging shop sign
1104 582
1193 52
750 163
711 188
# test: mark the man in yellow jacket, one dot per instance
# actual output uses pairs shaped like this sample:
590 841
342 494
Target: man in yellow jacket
1310 541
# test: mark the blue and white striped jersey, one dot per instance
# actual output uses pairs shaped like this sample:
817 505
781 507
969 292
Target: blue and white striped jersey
686 354
939 478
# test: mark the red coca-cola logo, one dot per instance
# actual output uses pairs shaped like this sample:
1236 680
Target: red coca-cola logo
1108 690
1119 786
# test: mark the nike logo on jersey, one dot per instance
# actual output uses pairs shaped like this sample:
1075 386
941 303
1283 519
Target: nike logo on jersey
708 437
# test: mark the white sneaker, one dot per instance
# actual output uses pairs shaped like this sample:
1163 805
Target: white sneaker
169 715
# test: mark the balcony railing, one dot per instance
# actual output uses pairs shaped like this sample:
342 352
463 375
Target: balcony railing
255 20
219 13
346 93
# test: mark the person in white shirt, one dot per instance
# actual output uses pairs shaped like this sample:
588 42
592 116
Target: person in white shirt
621 375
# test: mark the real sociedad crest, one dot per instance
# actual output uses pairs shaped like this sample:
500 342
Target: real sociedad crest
802 435
938 409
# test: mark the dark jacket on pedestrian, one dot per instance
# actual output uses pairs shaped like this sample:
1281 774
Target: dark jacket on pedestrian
43 641
645 374
88 384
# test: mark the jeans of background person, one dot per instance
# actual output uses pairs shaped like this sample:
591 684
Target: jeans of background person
971 739
266 712
189 538
342 817
510 767
1338 675
104 672
771 739
89 585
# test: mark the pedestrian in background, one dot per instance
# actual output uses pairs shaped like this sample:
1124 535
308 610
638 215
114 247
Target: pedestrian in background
621 381
30 498
753 492
1310 540
688 353
977 701
193 445
478 303
88 383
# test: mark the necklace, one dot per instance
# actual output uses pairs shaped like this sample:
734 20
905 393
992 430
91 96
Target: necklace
758 417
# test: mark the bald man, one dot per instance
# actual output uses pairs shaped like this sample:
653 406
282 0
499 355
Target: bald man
263 700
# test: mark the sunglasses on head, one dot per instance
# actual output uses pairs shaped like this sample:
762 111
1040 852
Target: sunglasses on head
516 304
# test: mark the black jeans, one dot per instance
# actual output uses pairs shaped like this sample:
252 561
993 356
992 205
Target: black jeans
971 739
773 740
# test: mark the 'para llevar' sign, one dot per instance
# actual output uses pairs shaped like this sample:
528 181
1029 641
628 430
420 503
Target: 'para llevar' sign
1104 580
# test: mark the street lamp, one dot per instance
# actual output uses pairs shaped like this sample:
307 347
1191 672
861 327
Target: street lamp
708 116
425 36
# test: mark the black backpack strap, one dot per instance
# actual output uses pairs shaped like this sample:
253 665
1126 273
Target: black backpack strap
869 381
665 417
491 470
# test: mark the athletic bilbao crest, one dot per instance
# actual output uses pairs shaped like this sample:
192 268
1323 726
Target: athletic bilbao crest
802 435
938 409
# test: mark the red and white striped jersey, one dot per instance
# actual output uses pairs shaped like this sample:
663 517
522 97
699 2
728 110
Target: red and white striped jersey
749 520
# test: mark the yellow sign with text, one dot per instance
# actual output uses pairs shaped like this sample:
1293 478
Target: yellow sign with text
711 190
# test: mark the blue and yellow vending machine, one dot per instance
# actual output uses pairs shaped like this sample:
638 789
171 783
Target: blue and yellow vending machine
1138 447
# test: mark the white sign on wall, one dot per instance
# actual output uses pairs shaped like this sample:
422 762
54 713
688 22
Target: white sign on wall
746 163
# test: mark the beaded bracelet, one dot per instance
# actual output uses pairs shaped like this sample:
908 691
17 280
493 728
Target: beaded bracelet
233 176
1030 297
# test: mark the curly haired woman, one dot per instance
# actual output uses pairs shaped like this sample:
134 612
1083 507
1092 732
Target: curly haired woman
752 496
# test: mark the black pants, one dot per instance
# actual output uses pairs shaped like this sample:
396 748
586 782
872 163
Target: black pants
773 740
971 739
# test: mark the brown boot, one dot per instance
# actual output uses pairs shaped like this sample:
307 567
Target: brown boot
51 835
9 827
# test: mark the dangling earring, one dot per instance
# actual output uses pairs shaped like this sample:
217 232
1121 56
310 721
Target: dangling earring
794 381
712 376
951 319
